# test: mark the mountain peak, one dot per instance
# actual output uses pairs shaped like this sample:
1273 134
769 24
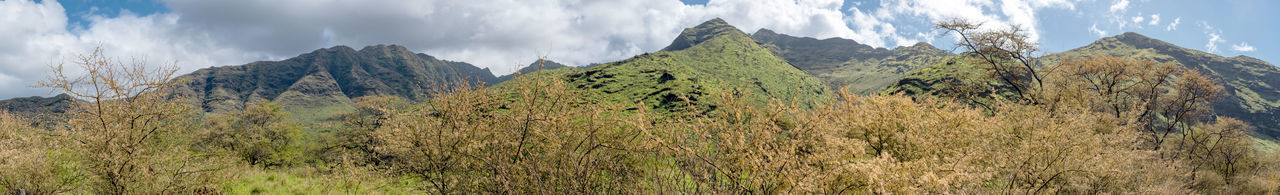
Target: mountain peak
379 47
713 22
1133 37
336 48
387 50
706 31
764 32
1142 41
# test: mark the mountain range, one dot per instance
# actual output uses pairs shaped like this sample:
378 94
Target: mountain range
710 58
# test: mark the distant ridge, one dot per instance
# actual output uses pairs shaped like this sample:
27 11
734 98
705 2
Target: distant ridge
533 67
44 110
846 63
328 77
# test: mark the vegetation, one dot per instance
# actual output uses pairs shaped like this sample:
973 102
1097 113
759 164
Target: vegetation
705 60
1248 92
1088 125
260 134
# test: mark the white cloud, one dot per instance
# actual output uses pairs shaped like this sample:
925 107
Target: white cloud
869 29
1138 19
1119 6
1242 47
991 13
1215 37
36 36
1173 25
1095 30
1155 19
498 34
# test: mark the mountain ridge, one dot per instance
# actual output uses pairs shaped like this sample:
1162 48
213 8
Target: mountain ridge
845 63
332 75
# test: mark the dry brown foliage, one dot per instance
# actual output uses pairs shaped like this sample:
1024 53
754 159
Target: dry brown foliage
129 137
539 138
535 138
30 161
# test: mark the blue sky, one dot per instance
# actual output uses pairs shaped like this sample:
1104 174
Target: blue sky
503 34
79 10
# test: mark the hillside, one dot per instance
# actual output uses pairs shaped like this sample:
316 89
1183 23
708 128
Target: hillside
847 63
327 79
705 60
43 110
1249 94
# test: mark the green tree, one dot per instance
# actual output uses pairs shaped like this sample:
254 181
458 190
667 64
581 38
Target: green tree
261 134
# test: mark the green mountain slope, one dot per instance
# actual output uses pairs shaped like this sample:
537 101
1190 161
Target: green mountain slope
950 75
709 59
533 67
1251 90
327 79
847 63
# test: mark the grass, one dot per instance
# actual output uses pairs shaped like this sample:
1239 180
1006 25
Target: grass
306 180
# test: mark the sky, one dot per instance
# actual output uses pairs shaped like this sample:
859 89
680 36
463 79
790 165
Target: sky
504 34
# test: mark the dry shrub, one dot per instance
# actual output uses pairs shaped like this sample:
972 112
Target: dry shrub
30 160
130 137
535 138
1161 99
540 137
893 144
738 148
354 142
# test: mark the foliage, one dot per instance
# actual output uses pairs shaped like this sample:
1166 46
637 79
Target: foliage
31 161
354 142
261 134
1248 94
718 58
547 139
129 138
705 116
